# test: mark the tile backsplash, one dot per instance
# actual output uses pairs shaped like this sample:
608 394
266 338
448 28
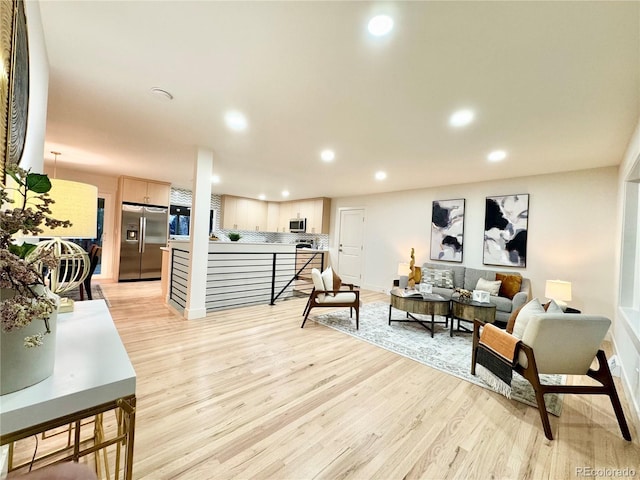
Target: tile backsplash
321 240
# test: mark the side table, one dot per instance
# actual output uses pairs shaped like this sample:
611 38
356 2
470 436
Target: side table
468 311
92 375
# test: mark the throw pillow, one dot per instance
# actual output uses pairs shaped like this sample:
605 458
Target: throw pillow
553 307
488 286
511 284
526 312
437 277
327 279
316 277
337 281
512 319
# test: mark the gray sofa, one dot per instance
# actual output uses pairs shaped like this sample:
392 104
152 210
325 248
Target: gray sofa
467 278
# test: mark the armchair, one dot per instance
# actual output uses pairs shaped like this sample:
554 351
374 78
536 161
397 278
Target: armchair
556 343
324 295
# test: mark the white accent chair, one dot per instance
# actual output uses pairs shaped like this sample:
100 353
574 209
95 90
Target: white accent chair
321 296
566 344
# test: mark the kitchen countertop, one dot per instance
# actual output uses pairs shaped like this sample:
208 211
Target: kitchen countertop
220 242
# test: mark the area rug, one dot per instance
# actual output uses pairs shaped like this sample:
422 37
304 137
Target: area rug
451 355
96 293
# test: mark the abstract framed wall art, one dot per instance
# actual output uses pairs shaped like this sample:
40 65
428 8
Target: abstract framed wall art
447 230
6 29
506 222
14 82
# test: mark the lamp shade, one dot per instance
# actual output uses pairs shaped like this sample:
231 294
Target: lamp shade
558 290
76 202
404 269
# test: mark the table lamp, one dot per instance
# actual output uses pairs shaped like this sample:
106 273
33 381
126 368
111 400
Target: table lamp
403 272
559 291
76 202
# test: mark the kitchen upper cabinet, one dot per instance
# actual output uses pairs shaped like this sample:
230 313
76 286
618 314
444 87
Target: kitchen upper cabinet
257 216
303 209
319 222
273 217
284 216
315 210
229 212
135 190
239 213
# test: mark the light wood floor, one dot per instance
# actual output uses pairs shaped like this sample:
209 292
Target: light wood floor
248 394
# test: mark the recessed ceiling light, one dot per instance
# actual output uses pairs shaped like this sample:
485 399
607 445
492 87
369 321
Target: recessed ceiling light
461 118
161 94
327 155
236 121
497 155
381 175
380 25
215 179
262 196
285 193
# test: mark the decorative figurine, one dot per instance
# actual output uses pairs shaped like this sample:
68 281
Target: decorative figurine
416 272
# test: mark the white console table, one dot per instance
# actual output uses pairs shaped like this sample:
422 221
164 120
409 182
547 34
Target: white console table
92 375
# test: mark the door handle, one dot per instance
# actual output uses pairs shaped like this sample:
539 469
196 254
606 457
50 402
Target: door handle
140 234
143 235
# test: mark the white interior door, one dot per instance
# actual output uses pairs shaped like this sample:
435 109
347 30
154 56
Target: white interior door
350 245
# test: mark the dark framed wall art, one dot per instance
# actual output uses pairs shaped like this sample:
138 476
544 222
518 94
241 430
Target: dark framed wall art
447 230
14 82
506 222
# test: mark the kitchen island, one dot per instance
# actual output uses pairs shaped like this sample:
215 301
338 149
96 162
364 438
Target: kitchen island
238 273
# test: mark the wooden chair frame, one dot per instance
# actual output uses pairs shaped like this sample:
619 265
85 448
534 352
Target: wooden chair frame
313 302
602 375
94 256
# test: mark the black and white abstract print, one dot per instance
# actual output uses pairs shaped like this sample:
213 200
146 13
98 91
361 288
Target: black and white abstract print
505 230
447 230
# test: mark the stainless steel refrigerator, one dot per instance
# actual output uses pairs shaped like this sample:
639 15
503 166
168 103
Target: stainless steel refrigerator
144 231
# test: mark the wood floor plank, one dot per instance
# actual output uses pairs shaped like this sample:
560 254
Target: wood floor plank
247 393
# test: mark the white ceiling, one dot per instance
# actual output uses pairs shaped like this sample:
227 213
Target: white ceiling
555 84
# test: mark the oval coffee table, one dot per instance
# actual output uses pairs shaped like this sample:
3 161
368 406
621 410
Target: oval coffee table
433 304
466 311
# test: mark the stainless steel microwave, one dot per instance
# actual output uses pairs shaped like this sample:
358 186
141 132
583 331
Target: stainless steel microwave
298 225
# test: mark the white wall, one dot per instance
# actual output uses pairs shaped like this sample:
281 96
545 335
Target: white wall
106 184
626 331
33 156
571 236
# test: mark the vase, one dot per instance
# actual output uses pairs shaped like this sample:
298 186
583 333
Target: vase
20 366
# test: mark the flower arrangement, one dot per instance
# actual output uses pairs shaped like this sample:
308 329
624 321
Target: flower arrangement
24 293
464 295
